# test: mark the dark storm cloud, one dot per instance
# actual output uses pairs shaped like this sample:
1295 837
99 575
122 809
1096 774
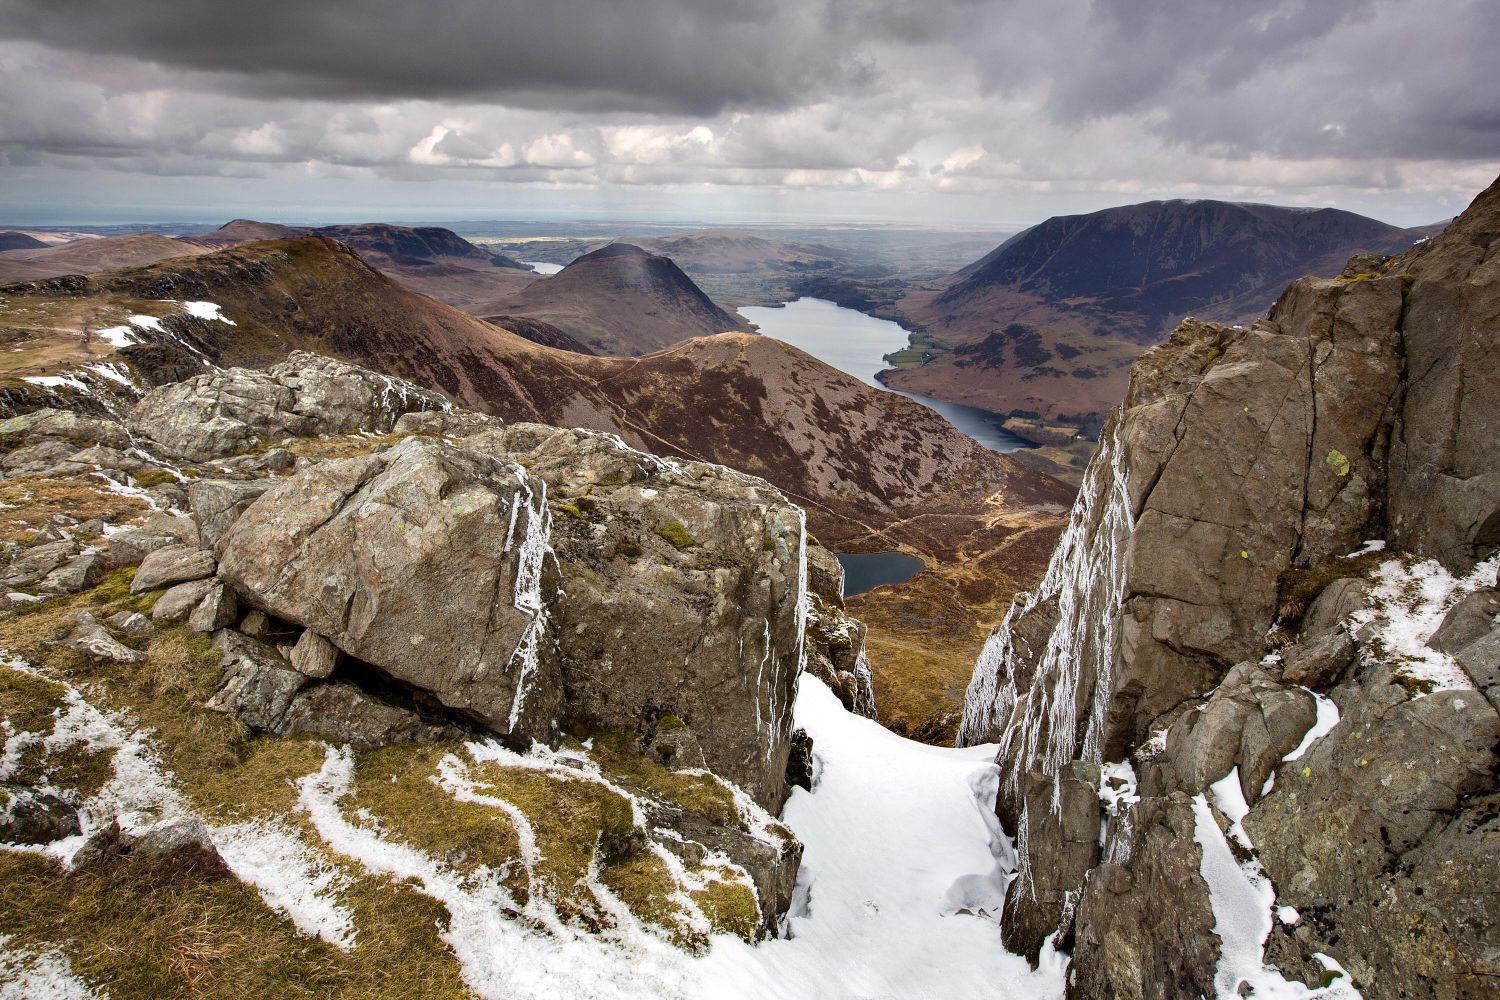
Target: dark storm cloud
682 56
1282 100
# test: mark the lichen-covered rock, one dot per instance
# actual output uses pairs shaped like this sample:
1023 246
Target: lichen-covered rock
216 503
172 564
836 656
314 655
179 601
1383 837
684 593
257 685
95 641
130 546
1144 921
33 564
78 573
427 561
217 609
228 412
346 714
62 426
1444 492
1042 895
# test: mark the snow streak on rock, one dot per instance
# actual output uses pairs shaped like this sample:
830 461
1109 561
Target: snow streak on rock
1085 580
1244 905
535 547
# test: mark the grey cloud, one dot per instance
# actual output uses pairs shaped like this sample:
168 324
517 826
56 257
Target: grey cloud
670 56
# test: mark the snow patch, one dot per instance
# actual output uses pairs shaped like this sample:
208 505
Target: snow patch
117 336
44 975
290 878
1327 718
55 381
1408 604
897 836
207 310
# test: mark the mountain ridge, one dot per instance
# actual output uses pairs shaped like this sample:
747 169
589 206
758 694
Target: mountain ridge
1049 321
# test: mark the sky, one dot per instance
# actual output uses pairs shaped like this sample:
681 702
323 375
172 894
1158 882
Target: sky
941 112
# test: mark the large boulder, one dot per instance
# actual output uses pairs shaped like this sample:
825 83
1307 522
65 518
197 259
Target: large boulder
427 561
684 593
535 580
224 413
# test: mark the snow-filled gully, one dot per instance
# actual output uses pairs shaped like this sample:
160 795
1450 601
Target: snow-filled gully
900 838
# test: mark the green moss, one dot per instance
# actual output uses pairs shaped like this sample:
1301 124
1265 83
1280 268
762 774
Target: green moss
153 477
1361 276
570 511
628 549
730 906
701 794
1414 685
669 724
113 594
1214 353
677 534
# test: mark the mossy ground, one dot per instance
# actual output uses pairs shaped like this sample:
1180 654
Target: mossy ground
151 930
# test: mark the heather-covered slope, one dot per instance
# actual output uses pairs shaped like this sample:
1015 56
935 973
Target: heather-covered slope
622 300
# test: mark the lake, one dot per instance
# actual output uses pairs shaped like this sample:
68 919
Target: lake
867 570
542 267
857 344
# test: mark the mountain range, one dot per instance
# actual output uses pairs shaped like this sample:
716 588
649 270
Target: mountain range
876 471
1048 323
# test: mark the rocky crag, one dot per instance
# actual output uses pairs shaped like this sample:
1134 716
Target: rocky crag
1248 722
559 668
873 470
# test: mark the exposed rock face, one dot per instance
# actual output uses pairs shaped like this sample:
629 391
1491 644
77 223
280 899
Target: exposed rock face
1201 626
530 580
425 561
228 412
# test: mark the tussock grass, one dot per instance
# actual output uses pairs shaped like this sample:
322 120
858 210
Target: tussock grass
146 929
28 503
